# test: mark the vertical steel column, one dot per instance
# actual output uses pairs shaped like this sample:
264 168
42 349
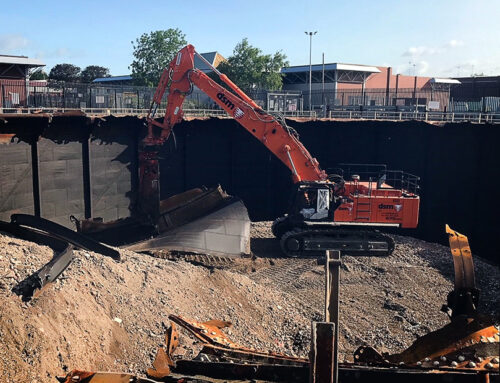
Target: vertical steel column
335 87
332 279
388 85
35 176
87 185
4 103
323 85
323 351
415 94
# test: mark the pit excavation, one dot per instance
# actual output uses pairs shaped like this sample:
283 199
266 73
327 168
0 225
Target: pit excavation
186 288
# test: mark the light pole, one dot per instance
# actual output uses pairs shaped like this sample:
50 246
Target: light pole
310 66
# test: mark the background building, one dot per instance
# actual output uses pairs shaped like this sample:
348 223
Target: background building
337 85
14 79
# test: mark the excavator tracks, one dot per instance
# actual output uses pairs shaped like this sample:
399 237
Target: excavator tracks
205 260
314 242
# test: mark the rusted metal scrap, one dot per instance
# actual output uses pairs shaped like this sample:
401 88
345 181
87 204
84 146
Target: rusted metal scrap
78 376
469 343
164 361
64 234
217 343
34 283
219 350
208 332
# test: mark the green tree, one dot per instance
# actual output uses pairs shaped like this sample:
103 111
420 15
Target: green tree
39 74
153 52
92 72
65 72
249 68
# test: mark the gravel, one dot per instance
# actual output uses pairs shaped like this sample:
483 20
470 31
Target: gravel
107 315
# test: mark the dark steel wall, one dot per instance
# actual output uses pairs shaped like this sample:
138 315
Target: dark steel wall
89 167
459 165
63 166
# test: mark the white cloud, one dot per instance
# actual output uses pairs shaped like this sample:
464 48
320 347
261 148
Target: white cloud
9 43
424 50
420 51
423 66
454 44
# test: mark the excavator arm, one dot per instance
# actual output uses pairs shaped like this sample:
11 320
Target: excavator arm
179 79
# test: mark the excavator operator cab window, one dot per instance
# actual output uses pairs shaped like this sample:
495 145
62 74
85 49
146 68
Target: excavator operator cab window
314 203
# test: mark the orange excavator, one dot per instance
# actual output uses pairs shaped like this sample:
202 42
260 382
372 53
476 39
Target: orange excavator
338 211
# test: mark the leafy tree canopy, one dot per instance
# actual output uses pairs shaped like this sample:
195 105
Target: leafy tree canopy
249 68
92 72
65 72
153 52
39 74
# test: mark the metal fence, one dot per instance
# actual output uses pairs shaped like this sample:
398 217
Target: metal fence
404 100
423 104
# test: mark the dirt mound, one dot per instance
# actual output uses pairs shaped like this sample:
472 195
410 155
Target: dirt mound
104 315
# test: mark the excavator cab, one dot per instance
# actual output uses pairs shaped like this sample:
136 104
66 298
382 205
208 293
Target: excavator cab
312 201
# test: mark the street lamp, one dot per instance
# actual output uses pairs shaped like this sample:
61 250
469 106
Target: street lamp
310 66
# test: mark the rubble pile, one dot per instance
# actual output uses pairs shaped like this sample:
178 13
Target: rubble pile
111 316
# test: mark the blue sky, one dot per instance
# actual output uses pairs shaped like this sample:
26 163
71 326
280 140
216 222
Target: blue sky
432 38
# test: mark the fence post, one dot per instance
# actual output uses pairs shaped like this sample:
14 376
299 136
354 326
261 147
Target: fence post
479 118
137 100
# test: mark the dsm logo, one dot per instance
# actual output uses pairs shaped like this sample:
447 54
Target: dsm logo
225 101
386 207
390 207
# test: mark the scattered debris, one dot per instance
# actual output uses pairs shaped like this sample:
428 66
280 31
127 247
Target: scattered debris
471 341
73 317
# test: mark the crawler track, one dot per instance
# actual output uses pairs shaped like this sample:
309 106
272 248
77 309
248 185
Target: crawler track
314 242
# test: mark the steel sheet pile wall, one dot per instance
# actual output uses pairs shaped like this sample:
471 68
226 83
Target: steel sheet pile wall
68 165
16 186
458 164
89 167
113 167
61 168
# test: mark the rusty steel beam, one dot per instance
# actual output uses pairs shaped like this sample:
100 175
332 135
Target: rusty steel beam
164 361
323 350
35 282
332 291
64 234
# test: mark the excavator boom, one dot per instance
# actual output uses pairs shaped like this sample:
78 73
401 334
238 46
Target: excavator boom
180 77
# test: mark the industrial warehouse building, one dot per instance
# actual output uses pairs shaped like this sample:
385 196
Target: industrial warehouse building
336 85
